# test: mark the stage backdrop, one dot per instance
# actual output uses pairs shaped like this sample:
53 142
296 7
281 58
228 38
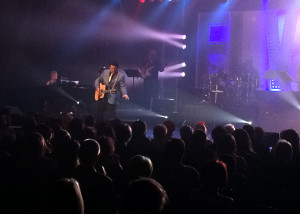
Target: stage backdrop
265 41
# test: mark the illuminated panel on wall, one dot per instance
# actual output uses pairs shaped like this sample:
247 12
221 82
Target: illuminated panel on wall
218 42
275 85
218 34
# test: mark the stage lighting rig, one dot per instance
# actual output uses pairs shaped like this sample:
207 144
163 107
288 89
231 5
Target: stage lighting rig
151 1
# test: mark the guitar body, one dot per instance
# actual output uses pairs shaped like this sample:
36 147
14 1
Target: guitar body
146 71
99 93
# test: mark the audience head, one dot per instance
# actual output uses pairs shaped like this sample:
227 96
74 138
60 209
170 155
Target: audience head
217 133
66 120
123 133
107 145
170 124
250 131
202 126
35 146
292 137
139 166
159 132
174 150
258 134
59 140
63 197
227 145
186 132
144 196
139 128
46 131
283 151
243 142
229 128
198 139
89 152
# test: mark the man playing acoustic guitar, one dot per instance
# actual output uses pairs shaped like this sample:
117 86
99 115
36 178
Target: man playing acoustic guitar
108 87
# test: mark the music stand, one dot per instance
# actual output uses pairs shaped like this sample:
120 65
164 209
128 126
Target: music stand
134 73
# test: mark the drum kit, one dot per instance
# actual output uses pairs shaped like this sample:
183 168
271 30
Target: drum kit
235 89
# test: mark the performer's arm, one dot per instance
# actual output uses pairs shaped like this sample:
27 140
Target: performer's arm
97 81
123 88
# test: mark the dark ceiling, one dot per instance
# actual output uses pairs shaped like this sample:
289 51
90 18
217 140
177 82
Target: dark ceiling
39 36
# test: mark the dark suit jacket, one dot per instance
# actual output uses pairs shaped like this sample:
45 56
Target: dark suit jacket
117 82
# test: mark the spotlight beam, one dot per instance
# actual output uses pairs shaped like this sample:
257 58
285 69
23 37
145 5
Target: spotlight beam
118 24
290 98
174 67
169 71
140 111
175 36
213 113
65 94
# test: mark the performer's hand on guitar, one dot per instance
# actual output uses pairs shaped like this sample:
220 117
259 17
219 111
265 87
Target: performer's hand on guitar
146 71
125 96
101 91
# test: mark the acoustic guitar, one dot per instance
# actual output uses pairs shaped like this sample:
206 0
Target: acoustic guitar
100 92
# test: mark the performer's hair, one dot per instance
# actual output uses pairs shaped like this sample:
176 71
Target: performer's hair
53 72
114 63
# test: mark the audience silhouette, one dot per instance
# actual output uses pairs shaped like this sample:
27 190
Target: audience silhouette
62 165
64 196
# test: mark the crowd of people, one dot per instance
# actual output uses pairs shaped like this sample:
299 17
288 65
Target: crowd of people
80 165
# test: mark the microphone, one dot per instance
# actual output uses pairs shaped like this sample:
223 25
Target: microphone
102 69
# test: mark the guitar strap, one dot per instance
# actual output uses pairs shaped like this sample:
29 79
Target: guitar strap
115 82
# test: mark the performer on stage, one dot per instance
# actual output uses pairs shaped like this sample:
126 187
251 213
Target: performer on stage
149 71
53 78
250 74
108 86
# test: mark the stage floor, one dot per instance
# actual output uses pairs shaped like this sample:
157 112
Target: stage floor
273 111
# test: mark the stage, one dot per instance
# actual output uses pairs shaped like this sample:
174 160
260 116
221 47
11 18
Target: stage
273 111
247 48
